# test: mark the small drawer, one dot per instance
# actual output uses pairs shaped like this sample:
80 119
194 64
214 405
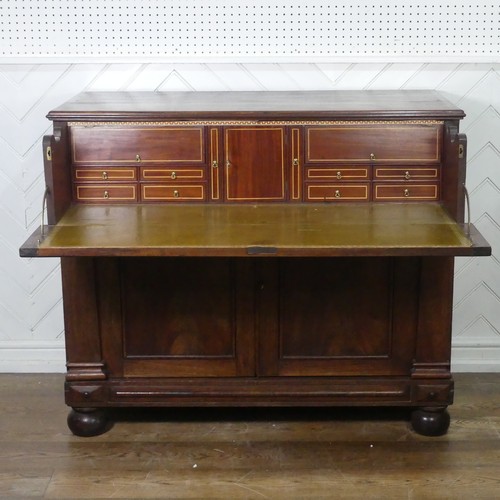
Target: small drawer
435 393
177 192
402 192
406 174
85 394
402 143
172 174
104 193
91 174
339 174
115 144
337 192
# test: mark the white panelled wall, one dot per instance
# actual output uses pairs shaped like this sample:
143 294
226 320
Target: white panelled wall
31 323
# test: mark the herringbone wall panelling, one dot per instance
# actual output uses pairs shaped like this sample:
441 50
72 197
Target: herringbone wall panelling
31 324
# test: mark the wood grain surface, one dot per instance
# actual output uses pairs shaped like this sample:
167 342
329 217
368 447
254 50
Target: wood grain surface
248 453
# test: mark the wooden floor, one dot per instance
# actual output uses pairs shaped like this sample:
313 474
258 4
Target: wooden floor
199 453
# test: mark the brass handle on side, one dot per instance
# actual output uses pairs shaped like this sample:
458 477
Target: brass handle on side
44 205
467 199
176 194
104 175
173 175
106 195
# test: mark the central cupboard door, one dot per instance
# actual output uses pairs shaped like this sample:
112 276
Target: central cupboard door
255 163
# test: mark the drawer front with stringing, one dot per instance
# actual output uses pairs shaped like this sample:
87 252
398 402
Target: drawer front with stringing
405 192
115 144
176 192
106 193
338 192
373 143
406 174
113 174
172 174
338 174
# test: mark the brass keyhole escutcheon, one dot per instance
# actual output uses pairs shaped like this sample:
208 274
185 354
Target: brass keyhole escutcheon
407 192
339 175
173 175
138 158
176 194
105 176
372 156
106 195
295 162
407 175
215 164
337 194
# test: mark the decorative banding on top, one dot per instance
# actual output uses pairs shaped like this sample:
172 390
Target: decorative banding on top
215 123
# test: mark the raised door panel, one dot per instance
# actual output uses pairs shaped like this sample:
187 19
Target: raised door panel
255 164
186 317
341 317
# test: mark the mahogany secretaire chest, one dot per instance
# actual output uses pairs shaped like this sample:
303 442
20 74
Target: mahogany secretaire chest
256 248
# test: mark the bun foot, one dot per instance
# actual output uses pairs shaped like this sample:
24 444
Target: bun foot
87 422
430 421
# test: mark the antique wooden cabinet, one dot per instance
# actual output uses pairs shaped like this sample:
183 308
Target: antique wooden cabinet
256 248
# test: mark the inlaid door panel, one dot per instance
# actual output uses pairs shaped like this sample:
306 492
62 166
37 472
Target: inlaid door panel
385 143
138 145
255 163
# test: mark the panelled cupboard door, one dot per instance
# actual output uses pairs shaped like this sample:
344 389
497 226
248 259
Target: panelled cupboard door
339 317
183 317
189 317
255 159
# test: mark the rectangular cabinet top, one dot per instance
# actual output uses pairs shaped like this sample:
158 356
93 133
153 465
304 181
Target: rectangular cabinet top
275 105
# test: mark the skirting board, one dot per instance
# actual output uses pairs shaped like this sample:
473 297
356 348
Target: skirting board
49 357
32 357
475 359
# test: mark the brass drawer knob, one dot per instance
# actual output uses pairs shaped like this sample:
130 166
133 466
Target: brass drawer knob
104 175
337 194
176 194
173 175
339 175
407 192
372 156
106 195
138 158
407 175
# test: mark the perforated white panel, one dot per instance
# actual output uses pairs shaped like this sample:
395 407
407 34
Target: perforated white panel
73 30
